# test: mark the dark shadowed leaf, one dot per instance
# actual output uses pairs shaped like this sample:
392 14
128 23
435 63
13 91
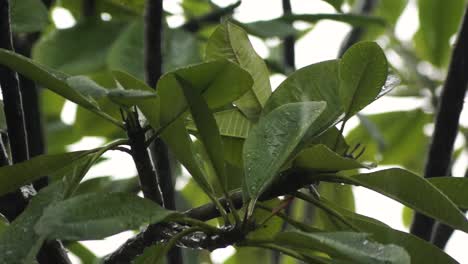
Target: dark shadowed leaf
70 50
25 21
19 243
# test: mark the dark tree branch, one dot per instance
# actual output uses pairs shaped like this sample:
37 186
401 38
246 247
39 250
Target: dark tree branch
32 112
88 8
367 6
153 41
11 91
157 232
147 175
446 123
153 70
289 42
194 24
12 204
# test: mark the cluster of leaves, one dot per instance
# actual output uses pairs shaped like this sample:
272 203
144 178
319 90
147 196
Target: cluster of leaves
223 123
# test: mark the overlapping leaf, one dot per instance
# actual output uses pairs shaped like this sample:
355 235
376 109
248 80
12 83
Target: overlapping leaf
231 42
77 218
363 71
273 140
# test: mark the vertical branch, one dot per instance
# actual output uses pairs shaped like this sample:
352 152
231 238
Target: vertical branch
153 71
88 8
14 203
13 106
289 62
153 41
357 32
289 42
446 123
147 175
32 113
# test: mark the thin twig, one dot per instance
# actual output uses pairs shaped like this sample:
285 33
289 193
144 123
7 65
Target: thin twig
446 123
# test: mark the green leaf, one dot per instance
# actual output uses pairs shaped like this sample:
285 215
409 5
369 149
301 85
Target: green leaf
341 195
178 140
390 11
329 138
19 243
247 254
220 81
272 141
207 129
363 71
25 21
85 255
77 218
107 184
455 188
335 3
419 250
415 192
153 255
316 82
270 29
347 246
231 123
14 176
129 97
127 52
50 79
231 42
352 19
3 223
321 158
70 50
87 87
432 39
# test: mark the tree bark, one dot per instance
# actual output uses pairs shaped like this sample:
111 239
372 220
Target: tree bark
446 123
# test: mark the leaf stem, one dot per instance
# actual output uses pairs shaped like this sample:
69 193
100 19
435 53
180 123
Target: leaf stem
330 211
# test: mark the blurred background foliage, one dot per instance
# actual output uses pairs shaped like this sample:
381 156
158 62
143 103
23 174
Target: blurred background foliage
108 34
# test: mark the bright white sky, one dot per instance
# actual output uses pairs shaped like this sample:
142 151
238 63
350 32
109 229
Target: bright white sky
320 44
